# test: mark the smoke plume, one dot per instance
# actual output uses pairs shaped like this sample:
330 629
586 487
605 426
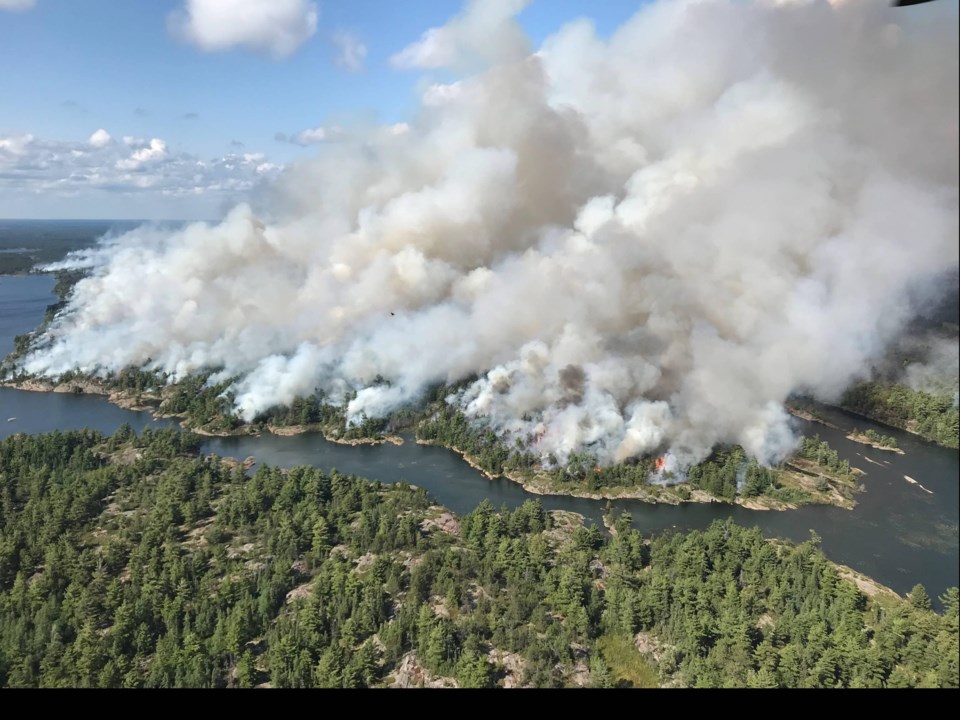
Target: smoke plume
927 362
641 243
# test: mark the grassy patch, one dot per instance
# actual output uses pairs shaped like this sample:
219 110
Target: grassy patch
628 667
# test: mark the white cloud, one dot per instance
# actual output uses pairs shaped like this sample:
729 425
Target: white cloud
35 166
312 136
434 49
16 4
100 138
154 150
351 52
13 146
277 27
484 31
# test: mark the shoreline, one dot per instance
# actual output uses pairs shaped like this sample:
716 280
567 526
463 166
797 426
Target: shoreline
810 417
888 426
864 440
128 401
535 485
664 497
857 437
805 415
534 488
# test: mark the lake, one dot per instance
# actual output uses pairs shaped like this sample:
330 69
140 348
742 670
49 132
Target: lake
23 300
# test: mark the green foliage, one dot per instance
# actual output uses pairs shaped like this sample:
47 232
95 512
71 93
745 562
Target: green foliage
306 411
719 474
934 417
919 597
449 427
203 404
131 562
873 436
737 610
820 452
138 380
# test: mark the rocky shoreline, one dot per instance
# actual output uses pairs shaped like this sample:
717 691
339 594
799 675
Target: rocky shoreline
642 494
864 440
536 485
804 415
136 403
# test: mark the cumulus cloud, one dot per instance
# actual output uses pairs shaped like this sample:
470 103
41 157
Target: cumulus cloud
149 152
15 146
351 52
29 164
277 27
16 4
101 138
639 244
485 31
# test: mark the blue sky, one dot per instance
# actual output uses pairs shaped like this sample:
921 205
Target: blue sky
217 90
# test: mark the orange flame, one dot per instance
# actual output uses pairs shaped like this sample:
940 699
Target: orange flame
660 463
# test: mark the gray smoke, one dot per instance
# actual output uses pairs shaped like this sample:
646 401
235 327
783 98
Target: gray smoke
645 243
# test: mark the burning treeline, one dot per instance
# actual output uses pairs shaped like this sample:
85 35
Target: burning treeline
642 244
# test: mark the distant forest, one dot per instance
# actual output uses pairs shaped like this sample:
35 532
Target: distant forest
934 417
27 243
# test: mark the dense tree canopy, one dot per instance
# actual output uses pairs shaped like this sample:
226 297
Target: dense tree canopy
132 562
934 417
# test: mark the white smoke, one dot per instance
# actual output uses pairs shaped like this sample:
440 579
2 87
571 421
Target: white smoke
938 369
645 243
483 33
